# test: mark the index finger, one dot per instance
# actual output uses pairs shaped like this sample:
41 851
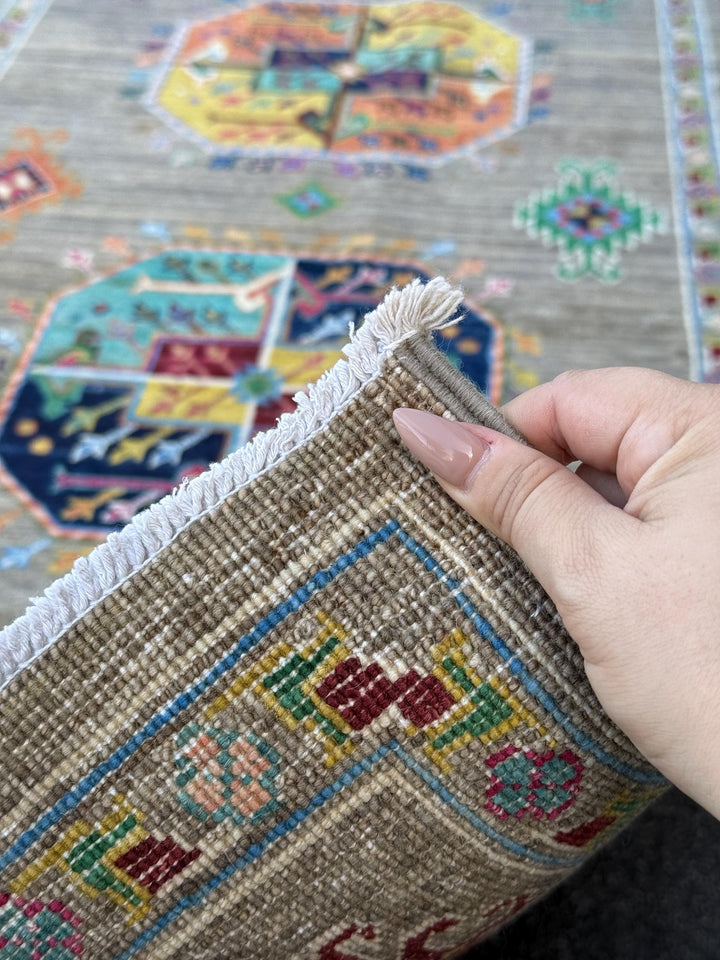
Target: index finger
619 420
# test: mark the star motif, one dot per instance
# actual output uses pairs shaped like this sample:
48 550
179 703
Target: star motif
589 220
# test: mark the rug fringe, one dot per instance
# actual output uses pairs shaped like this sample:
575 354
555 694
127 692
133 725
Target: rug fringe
403 313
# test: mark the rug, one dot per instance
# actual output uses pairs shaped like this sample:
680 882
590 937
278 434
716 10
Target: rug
573 192
303 704
197 198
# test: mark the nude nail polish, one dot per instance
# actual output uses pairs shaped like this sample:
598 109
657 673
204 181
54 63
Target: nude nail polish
449 449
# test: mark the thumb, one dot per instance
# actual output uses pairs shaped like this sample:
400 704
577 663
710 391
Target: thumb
562 528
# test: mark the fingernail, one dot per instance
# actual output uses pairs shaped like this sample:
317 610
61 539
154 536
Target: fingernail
449 449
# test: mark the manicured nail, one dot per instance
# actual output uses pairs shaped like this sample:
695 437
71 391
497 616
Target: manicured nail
450 449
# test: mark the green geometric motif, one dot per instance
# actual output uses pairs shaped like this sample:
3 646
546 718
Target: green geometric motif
592 9
308 201
286 685
589 220
490 709
85 855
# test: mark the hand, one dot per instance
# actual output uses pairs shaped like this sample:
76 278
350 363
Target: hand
628 547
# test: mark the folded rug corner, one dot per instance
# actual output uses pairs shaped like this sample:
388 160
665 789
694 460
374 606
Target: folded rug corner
304 703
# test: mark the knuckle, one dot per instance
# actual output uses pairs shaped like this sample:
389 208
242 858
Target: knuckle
580 569
568 378
519 494
533 497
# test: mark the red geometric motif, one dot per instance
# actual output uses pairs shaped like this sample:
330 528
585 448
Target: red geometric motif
526 782
330 951
20 183
426 699
617 809
360 694
197 358
586 832
415 948
153 862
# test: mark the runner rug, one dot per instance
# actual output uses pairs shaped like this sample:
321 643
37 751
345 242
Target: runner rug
197 198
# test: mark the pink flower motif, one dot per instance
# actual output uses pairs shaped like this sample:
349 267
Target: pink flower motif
223 774
78 259
40 931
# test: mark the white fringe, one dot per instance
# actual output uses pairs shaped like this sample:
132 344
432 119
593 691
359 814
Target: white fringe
416 308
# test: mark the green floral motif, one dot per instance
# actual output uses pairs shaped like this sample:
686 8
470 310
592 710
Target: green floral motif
31 928
308 201
589 220
257 384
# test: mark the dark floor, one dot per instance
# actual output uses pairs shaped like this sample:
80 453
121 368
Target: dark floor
653 894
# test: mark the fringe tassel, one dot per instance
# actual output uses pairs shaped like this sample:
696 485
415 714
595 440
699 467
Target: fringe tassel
415 309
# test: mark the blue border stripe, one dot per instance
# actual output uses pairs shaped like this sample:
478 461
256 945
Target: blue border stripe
276 616
256 850
704 42
319 800
9 54
434 783
522 673
73 797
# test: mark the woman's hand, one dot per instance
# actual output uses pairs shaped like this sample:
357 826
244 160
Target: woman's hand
628 547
